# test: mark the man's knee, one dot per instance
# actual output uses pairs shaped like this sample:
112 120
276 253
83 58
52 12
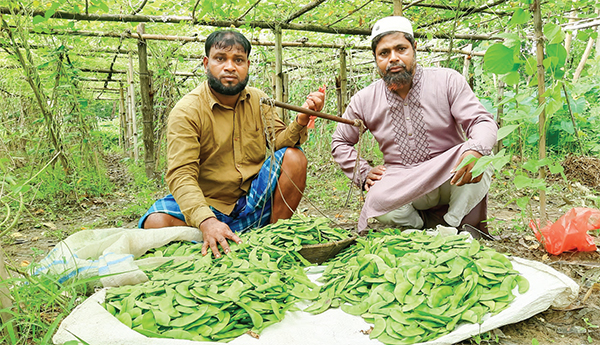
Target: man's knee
294 157
405 215
161 220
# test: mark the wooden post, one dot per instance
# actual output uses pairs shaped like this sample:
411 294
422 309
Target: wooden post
279 71
584 58
397 7
343 82
286 95
147 106
467 62
499 112
569 37
539 38
123 119
132 119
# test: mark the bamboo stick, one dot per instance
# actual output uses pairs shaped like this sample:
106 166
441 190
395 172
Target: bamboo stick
539 42
356 123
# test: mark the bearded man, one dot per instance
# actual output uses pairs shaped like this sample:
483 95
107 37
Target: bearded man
425 120
220 174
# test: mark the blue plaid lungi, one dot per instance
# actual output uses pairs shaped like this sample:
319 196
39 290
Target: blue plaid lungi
252 210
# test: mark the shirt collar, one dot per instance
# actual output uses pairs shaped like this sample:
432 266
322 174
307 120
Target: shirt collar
212 99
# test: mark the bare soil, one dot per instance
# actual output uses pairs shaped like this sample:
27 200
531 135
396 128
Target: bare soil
577 324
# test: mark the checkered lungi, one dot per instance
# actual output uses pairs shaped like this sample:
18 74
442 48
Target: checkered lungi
252 210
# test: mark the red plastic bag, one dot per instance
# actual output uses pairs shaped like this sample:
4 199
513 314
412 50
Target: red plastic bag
569 232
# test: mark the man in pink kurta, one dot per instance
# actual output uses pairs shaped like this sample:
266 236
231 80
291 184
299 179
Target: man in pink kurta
426 120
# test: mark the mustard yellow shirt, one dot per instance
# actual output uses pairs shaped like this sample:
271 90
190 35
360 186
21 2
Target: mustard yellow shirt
215 151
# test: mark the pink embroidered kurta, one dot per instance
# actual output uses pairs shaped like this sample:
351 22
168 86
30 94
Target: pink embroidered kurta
421 137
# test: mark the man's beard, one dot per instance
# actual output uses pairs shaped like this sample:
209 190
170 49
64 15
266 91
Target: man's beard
216 85
395 80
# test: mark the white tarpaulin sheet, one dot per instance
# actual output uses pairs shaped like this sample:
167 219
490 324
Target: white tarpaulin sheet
110 253
91 323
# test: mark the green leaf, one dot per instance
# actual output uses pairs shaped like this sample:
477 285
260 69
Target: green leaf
39 19
559 52
512 78
517 115
506 130
521 181
578 106
553 33
499 59
522 202
556 168
531 65
49 13
553 106
520 16
466 161
483 163
567 126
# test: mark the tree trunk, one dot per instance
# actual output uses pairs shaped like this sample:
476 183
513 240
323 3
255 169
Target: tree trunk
147 106
397 7
539 38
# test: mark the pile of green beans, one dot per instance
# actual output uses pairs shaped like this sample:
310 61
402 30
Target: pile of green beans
207 299
412 287
415 287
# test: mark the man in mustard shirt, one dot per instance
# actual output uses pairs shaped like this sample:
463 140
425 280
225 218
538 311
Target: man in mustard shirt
232 163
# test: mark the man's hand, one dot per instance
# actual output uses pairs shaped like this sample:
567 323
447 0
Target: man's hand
314 101
374 175
463 175
215 232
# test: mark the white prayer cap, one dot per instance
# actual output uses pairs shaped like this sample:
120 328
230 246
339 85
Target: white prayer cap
389 24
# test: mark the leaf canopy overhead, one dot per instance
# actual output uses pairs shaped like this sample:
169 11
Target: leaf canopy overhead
83 25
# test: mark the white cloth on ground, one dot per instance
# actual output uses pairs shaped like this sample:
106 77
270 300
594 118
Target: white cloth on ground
109 253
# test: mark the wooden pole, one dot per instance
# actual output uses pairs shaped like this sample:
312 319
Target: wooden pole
309 112
467 63
147 106
539 38
499 112
343 82
279 71
569 38
285 94
584 58
397 7
132 119
122 117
